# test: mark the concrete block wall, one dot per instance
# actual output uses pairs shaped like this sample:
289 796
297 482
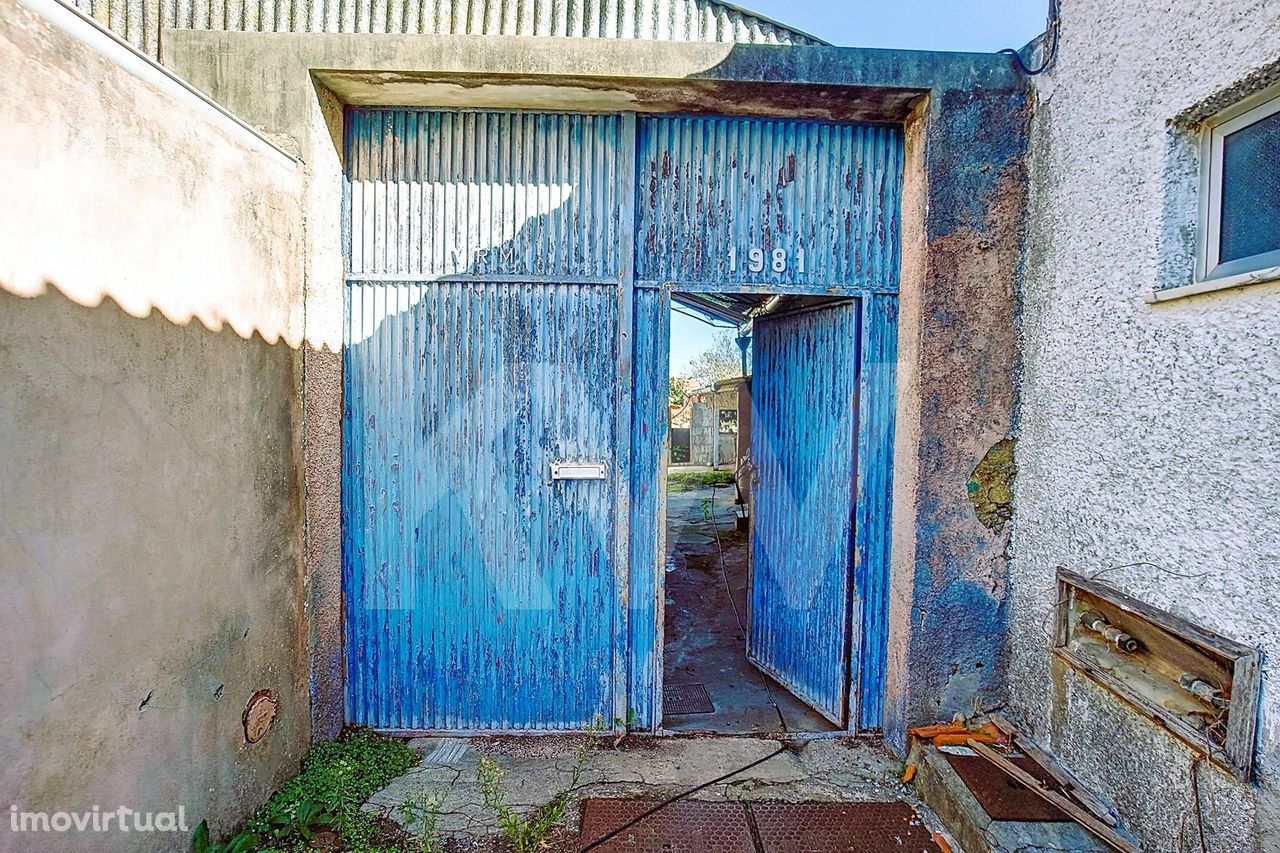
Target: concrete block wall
151 533
1146 432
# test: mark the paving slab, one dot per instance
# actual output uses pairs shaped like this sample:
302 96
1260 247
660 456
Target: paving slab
652 767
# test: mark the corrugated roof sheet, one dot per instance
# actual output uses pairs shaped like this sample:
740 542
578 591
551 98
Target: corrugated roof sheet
140 21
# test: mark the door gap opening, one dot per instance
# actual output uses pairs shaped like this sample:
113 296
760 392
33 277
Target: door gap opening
710 532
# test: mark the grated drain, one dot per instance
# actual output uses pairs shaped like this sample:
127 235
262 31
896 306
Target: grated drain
687 826
681 699
848 827
696 826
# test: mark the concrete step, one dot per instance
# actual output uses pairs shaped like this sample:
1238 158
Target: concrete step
1000 816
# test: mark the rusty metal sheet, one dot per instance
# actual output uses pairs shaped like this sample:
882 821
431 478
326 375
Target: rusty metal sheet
686 826
479 195
480 594
1003 798
483 345
841 828
877 402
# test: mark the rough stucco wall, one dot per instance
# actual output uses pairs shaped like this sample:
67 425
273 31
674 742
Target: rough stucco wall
151 535
1147 432
957 362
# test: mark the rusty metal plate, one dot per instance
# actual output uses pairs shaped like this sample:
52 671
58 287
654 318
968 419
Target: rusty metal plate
1003 798
845 827
686 826
681 699
259 714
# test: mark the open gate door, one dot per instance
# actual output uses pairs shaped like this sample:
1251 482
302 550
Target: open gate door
803 446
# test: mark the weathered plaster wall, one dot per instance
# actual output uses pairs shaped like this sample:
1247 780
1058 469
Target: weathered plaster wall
1147 432
964 204
150 505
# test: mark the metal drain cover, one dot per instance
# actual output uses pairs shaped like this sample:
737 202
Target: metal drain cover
681 699
686 826
735 827
1003 798
848 827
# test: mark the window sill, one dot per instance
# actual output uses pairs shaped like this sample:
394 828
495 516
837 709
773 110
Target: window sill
1212 285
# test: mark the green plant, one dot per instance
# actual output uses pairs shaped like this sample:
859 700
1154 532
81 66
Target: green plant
302 818
528 833
241 842
337 777
622 726
684 481
422 818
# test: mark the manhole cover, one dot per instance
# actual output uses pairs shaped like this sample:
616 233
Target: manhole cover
680 699
1003 798
685 826
846 827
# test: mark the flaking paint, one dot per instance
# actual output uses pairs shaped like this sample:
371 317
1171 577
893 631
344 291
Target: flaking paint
483 335
803 437
712 189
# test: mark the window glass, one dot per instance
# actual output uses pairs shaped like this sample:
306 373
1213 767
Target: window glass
1251 190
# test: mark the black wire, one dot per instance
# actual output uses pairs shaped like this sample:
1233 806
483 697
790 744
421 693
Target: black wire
677 797
1053 46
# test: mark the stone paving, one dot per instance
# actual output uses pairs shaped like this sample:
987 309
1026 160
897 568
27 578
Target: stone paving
822 770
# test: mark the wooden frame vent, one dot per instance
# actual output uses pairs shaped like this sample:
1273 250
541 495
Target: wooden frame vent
1201 687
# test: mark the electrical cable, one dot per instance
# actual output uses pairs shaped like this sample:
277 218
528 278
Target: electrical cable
728 590
1052 53
681 796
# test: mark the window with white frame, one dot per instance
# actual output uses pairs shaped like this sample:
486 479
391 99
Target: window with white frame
1240 210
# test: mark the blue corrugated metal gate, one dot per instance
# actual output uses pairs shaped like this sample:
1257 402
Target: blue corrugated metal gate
482 348
803 433
800 208
497 325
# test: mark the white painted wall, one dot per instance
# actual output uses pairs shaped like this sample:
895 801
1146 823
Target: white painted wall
1147 432
151 539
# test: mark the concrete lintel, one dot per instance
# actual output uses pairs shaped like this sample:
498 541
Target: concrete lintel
514 71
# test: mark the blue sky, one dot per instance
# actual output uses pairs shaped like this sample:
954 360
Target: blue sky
978 25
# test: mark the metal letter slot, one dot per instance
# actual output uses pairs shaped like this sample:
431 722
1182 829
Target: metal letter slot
577 471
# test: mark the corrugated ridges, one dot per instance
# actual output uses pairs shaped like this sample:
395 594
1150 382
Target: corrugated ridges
140 21
803 426
710 187
479 593
648 500
529 195
877 401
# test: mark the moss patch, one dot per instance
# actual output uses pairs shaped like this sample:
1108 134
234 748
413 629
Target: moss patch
991 485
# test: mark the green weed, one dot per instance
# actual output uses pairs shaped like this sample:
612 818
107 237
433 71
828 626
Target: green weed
336 778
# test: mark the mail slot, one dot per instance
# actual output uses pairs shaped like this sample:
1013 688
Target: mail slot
577 471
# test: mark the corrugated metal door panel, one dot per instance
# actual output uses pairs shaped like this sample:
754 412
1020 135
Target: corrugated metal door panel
481 594
648 503
483 344
877 395
803 426
819 201
529 196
